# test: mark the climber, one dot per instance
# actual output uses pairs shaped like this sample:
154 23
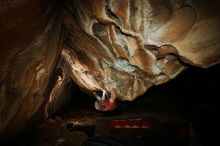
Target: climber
105 104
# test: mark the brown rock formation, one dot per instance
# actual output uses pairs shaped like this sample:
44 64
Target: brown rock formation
30 41
126 45
131 45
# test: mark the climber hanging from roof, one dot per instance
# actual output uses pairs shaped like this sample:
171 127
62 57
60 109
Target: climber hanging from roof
105 103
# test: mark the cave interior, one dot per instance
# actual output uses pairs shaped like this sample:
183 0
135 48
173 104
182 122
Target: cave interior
109 72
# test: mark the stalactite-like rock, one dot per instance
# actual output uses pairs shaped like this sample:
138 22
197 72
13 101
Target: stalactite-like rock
131 45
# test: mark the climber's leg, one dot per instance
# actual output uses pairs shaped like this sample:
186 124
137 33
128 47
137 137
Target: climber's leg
103 94
97 96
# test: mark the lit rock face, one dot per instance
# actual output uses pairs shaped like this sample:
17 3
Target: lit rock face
130 45
30 43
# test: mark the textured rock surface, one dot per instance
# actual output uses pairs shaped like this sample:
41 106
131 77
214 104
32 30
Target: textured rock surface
131 45
61 93
30 42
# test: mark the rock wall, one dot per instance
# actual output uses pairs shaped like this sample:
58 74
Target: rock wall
30 43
